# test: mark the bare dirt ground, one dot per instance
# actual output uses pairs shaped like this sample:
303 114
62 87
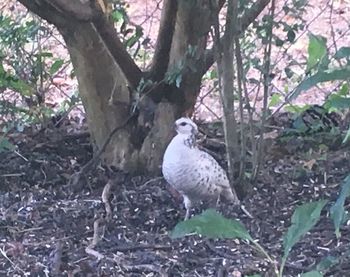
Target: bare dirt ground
46 229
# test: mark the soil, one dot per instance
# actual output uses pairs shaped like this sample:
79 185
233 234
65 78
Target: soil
48 230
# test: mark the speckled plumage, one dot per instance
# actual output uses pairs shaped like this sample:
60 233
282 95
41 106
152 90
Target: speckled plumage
191 171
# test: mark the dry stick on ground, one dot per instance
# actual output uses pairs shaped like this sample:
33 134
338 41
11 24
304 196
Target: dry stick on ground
15 267
105 196
56 260
95 239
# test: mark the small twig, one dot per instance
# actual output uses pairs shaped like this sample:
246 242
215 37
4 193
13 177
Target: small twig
57 258
3 253
13 175
97 232
150 181
246 211
105 196
20 155
142 247
92 252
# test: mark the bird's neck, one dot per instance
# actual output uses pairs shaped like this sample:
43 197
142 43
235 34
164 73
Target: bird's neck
188 140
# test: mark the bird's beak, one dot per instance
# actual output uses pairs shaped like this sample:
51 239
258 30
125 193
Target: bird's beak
175 126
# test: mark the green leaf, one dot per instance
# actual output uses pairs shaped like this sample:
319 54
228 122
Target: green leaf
313 273
317 50
337 102
303 219
343 52
211 224
56 66
117 16
274 100
291 36
337 211
327 263
21 86
322 76
5 145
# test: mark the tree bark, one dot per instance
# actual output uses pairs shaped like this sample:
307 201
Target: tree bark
108 77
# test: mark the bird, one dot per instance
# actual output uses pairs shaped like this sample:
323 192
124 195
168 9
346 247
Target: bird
194 173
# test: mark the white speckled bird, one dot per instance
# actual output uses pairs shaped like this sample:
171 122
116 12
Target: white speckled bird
192 172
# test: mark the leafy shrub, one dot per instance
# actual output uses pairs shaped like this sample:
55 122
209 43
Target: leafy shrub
211 224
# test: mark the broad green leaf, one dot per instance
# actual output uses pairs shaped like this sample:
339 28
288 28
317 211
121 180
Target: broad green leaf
317 50
313 273
56 66
343 52
320 77
337 102
274 100
327 263
337 210
303 219
211 224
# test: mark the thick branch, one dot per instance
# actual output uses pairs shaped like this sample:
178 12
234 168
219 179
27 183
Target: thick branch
62 12
110 38
248 18
45 11
76 9
164 40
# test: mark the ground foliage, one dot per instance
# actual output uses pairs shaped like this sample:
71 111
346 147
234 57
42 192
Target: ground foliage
47 229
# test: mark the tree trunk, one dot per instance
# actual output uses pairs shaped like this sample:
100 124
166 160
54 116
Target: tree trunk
108 77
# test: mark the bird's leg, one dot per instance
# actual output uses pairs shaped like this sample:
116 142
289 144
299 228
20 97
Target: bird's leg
218 200
188 206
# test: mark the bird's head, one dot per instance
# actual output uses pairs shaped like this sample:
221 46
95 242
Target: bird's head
186 126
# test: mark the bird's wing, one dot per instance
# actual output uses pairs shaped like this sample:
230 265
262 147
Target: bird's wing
218 175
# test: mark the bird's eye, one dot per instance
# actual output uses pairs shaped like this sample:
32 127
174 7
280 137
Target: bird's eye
183 123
